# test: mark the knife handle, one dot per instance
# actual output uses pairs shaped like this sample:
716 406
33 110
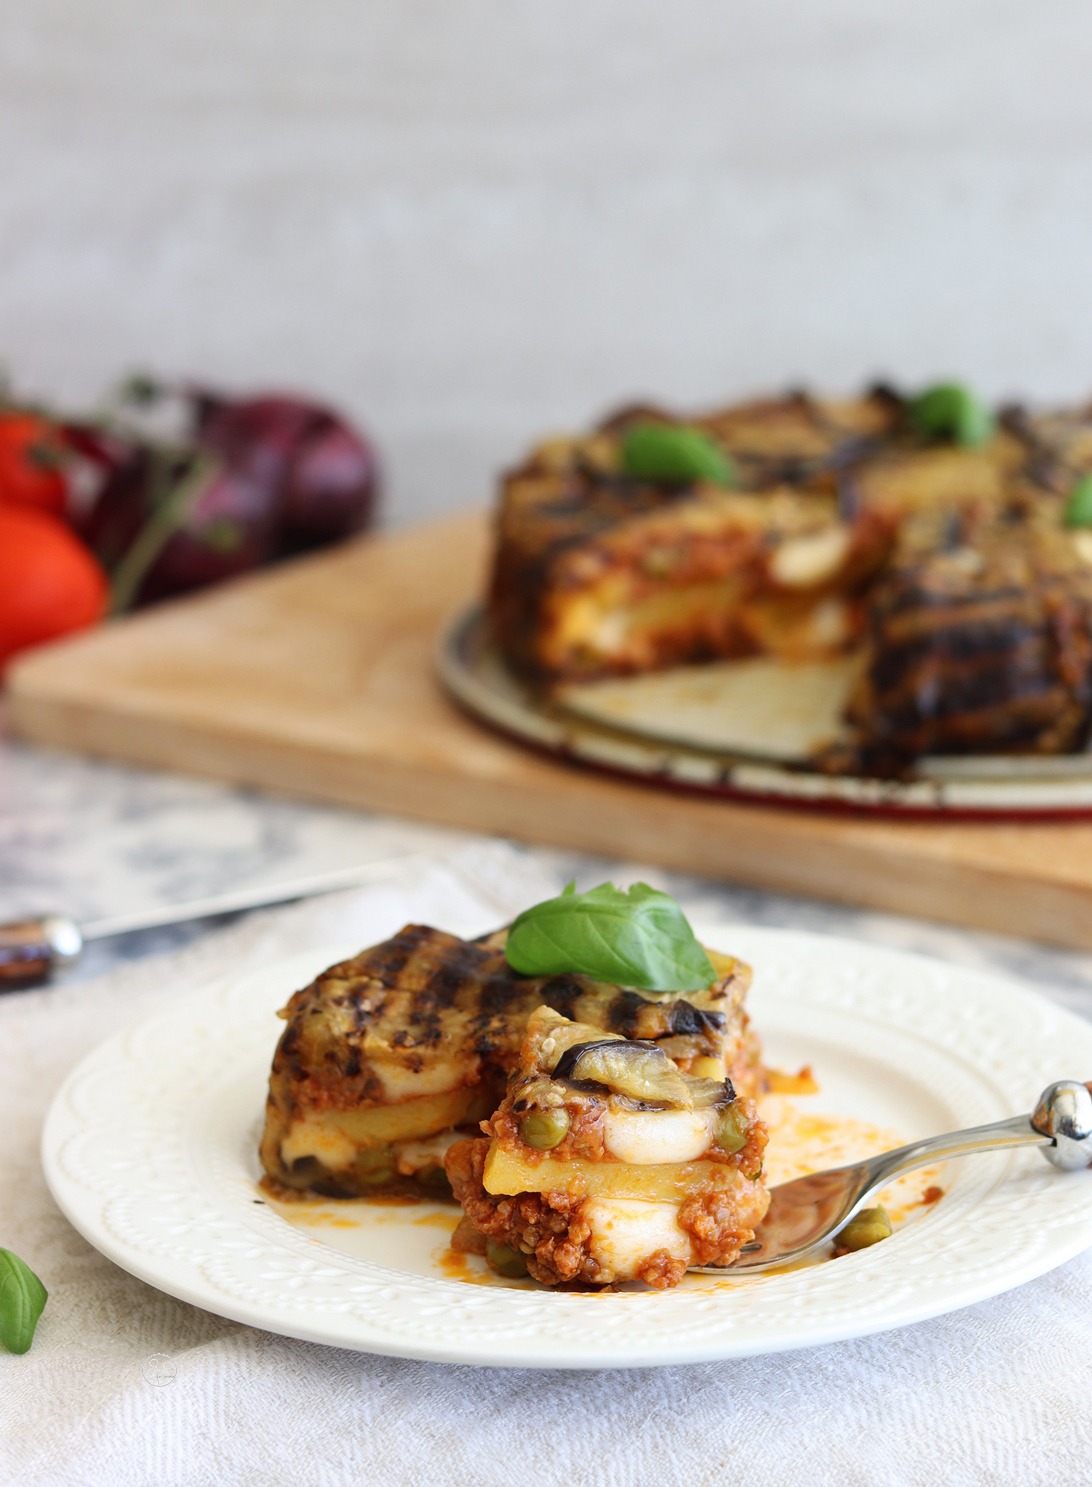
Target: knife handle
32 949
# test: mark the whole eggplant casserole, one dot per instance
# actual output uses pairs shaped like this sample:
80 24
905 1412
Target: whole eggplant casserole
947 545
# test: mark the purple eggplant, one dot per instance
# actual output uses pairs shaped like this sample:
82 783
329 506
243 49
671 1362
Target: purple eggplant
249 481
327 471
331 491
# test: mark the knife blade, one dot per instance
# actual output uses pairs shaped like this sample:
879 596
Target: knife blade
32 949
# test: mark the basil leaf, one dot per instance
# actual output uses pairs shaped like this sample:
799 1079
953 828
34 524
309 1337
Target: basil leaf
640 938
22 1297
674 454
950 411
1078 510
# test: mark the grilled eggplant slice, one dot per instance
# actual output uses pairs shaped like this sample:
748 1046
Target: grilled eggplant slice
979 640
642 1071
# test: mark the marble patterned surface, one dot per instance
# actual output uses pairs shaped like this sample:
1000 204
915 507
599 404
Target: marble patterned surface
93 839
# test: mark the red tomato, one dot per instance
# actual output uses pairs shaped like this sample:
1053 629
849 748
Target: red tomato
31 463
49 582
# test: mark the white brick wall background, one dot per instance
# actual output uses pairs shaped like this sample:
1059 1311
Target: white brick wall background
470 221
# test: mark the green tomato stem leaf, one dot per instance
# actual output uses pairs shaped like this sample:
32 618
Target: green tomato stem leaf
951 411
638 938
22 1299
674 454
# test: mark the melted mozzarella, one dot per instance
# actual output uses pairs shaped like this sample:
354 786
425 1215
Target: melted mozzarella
643 1137
626 1231
801 562
400 1081
411 1156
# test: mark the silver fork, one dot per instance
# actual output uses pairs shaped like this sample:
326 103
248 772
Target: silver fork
809 1212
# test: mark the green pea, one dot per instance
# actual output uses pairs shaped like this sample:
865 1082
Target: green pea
374 1165
674 454
505 1260
369 1157
865 1228
376 1175
1078 510
544 1129
732 1129
950 411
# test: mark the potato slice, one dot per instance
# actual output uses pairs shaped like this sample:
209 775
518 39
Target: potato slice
506 1174
334 1135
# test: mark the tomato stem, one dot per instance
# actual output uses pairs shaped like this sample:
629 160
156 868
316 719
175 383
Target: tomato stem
168 516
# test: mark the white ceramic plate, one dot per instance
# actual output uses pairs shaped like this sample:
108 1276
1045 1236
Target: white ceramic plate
742 729
149 1149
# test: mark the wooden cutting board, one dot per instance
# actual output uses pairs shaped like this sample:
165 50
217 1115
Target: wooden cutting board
317 678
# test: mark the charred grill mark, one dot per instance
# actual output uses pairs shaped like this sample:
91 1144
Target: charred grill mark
386 961
623 1013
448 980
953 649
562 994
930 701
690 1021
923 595
428 1030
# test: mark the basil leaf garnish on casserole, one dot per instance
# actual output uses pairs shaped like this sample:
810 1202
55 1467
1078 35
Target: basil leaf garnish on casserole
639 938
1078 510
22 1299
950 411
674 454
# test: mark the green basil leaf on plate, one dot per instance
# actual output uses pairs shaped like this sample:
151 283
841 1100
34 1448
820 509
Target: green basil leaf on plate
950 411
637 938
22 1298
674 454
1078 510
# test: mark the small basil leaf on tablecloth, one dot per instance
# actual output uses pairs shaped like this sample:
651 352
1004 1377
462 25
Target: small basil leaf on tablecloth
674 454
638 938
22 1298
1078 509
950 411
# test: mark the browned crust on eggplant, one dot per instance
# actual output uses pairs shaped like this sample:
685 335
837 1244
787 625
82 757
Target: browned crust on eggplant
979 641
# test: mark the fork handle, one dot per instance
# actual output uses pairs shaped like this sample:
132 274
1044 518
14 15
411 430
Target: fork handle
1061 1122
1017 1130
32 949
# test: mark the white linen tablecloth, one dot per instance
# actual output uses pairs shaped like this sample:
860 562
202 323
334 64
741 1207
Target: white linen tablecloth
125 1385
